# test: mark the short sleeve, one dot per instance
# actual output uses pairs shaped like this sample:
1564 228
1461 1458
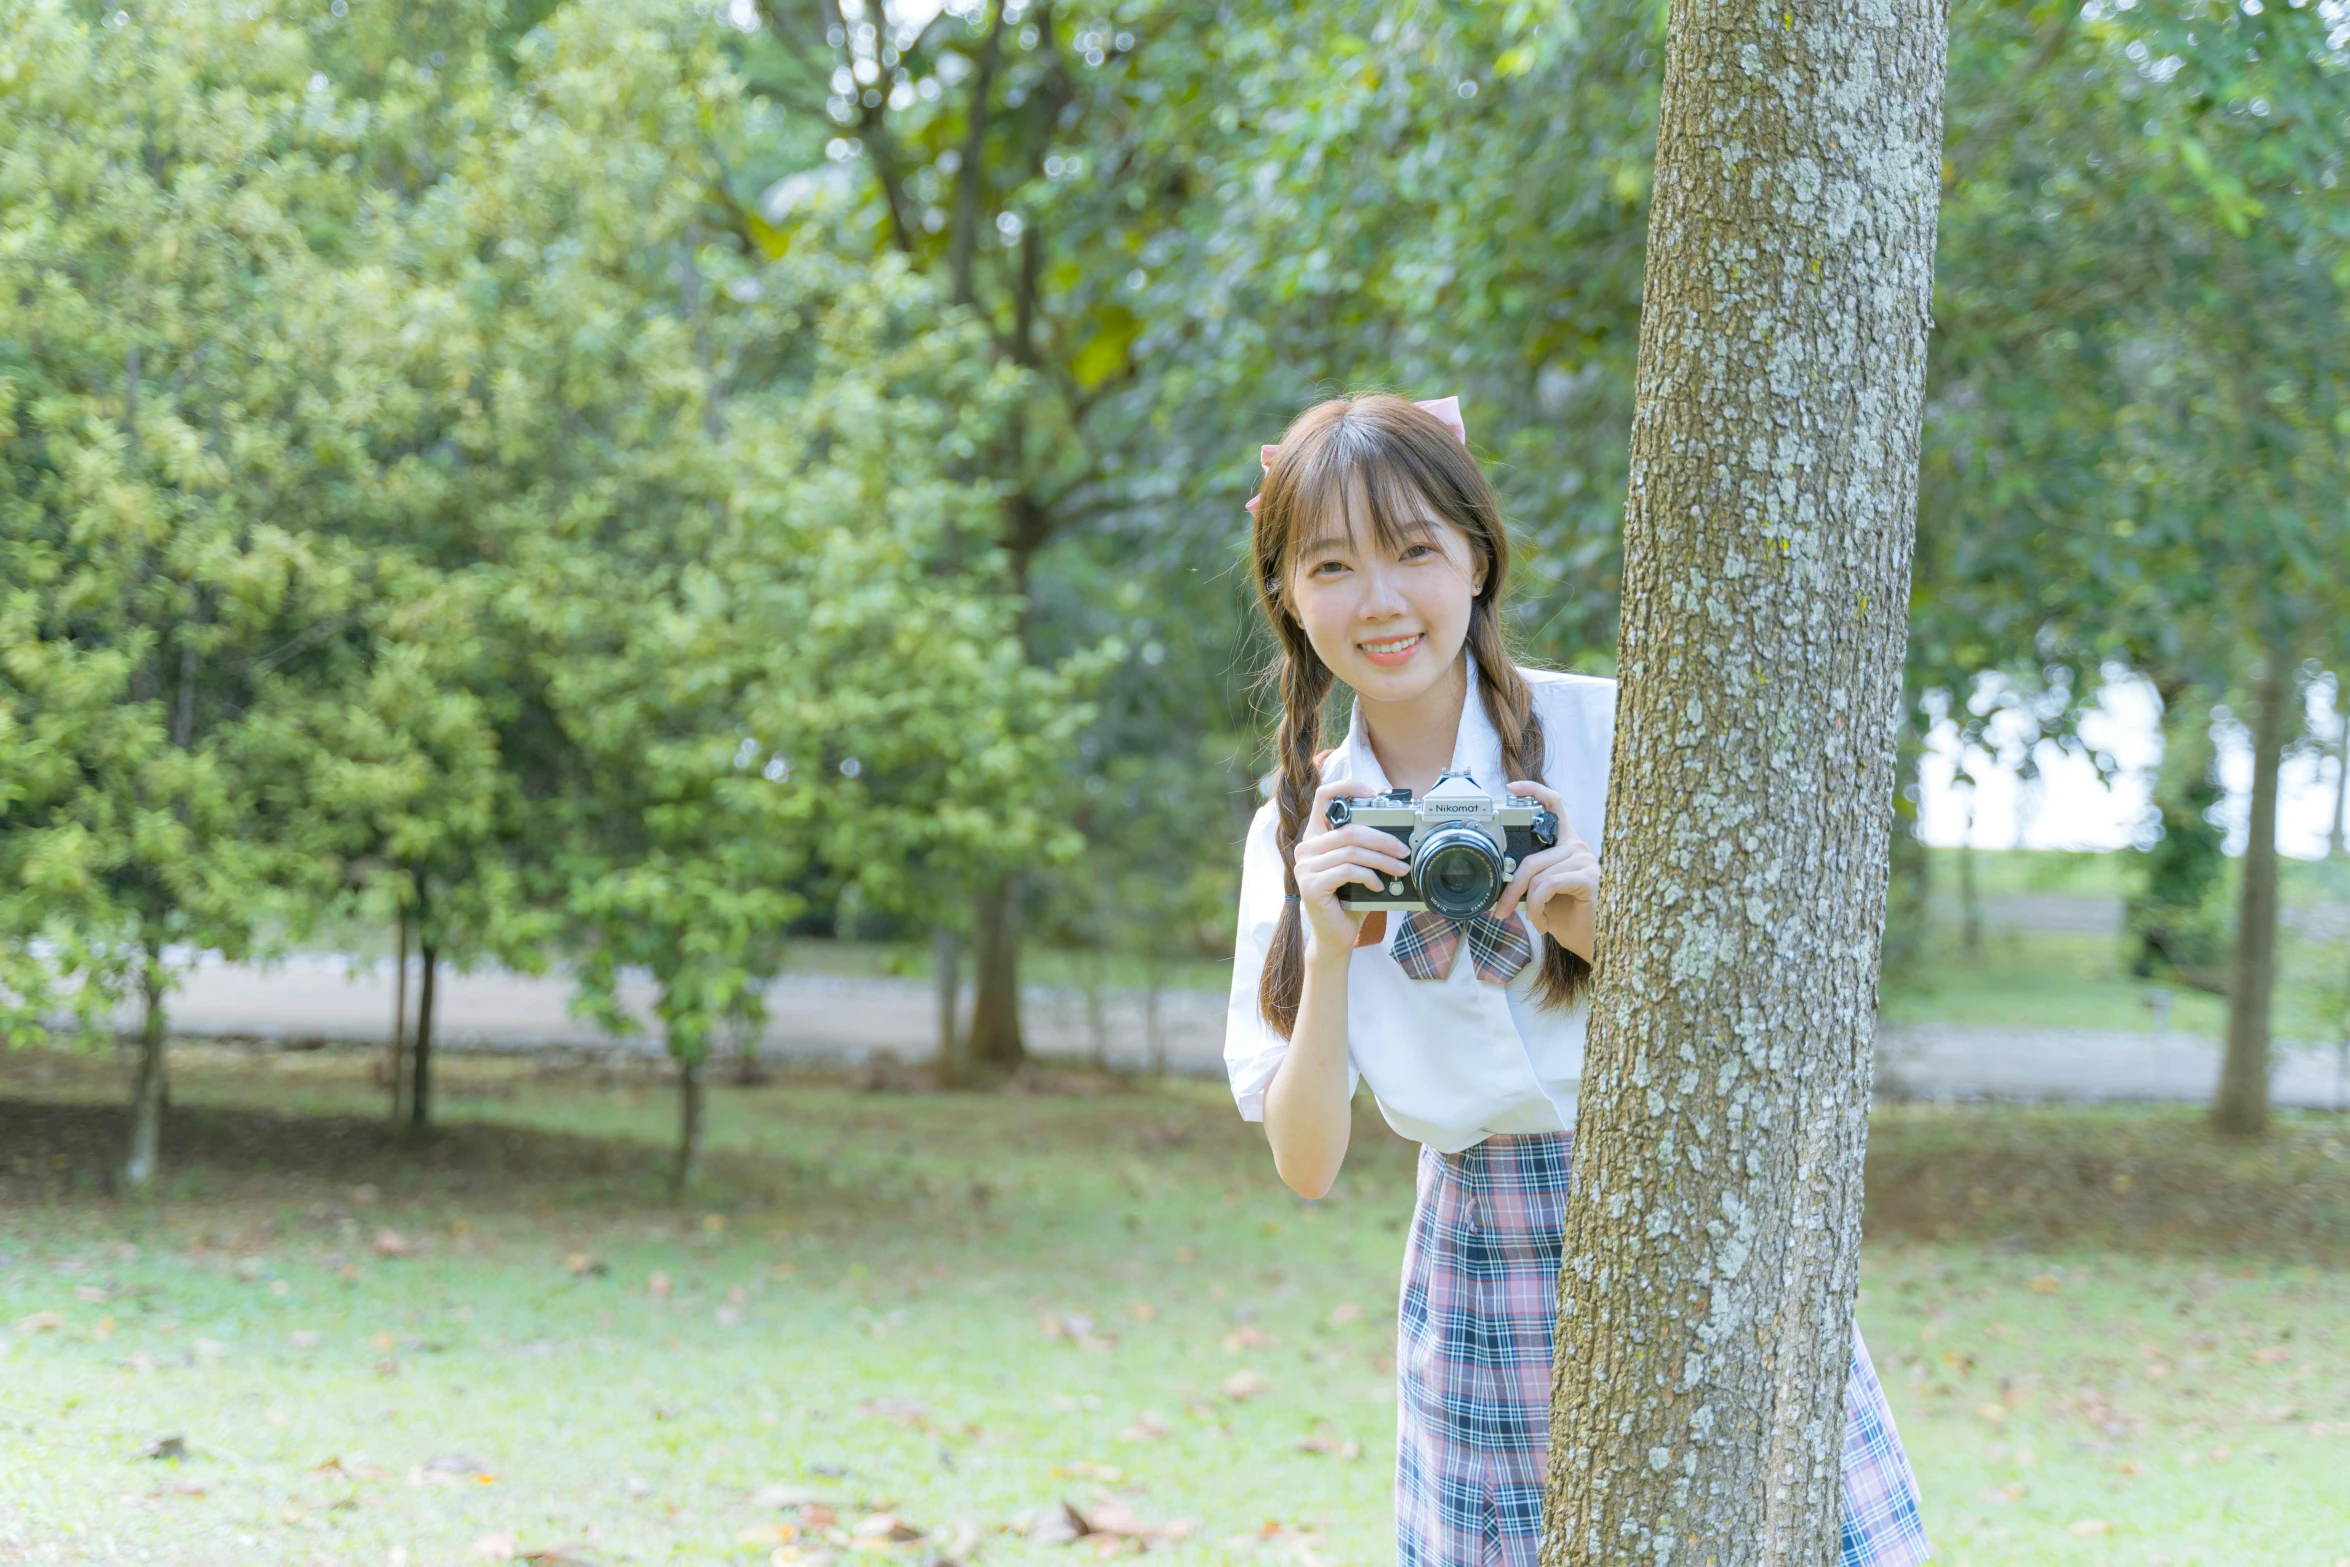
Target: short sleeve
1252 1050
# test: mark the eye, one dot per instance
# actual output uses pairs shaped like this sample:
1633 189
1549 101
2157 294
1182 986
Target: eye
1420 550
1326 568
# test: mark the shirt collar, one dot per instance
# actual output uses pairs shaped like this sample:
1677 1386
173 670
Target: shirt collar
1476 749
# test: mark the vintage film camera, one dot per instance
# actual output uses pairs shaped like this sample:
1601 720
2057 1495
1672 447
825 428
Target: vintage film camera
1463 848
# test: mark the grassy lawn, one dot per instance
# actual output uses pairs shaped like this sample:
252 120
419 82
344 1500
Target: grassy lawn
2106 1340
2062 979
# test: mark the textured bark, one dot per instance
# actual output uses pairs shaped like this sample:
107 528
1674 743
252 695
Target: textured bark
399 1051
995 960
687 1167
954 1061
1712 1244
420 1059
147 1093
2242 1107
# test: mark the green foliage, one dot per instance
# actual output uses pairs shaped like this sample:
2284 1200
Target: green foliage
427 500
166 400
607 482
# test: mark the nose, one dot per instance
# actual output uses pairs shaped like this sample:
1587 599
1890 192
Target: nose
1382 595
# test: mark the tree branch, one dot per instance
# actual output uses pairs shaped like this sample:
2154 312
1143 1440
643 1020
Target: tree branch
963 241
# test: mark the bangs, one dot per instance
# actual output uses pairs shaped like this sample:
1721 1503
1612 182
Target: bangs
1354 477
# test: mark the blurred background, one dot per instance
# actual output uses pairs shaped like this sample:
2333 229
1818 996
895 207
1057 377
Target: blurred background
627 699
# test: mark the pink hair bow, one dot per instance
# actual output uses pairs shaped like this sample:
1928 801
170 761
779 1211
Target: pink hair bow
1446 409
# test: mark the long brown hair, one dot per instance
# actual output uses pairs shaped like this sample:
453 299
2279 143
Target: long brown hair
1405 458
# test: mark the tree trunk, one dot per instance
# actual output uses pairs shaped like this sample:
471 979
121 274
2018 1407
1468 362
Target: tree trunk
688 1166
747 1071
995 960
2242 1109
970 175
1713 1237
399 1052
420 1073
946 958
1909 891
147 1092
1970 900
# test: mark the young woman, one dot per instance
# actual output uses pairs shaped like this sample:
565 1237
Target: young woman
1380 559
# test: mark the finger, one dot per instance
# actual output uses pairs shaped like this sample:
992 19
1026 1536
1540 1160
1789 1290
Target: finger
1528 868
1331 848
1342 864
1325 880
1560 881
1549 797
1374 841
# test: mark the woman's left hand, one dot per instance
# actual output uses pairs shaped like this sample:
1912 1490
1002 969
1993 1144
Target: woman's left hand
1560 885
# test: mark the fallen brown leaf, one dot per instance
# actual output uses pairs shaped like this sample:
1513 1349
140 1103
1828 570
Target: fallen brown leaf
40 1322
502 1546
390 1243
580 1265
1147 1426
659 1286
1056 1525
769 1534
89 1294
1328 1442
884 1526
1115 1517
2089 1526
1248 1336
1244 1385
1344 1312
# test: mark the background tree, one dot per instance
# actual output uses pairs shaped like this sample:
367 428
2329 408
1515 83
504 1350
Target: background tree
2148 359
164 359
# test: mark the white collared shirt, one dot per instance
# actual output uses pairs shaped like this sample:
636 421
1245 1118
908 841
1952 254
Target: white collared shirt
1454 1060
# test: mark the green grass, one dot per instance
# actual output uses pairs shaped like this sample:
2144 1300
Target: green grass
2061 979
2082 1317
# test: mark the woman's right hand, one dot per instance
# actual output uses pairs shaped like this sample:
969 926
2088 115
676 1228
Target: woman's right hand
1329 858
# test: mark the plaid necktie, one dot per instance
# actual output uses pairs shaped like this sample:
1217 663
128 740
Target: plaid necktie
1427 942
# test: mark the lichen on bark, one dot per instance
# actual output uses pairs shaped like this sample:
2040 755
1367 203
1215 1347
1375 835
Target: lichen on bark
1712 1245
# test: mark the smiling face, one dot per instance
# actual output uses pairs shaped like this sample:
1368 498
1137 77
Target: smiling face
1387 608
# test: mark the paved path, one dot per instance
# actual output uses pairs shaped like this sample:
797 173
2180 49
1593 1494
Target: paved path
852 1020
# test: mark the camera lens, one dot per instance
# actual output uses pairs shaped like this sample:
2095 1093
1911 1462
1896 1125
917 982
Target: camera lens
1459 872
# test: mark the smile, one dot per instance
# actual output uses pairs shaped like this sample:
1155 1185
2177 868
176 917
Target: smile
1393 651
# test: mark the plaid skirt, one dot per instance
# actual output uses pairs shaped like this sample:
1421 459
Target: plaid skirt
1473 1352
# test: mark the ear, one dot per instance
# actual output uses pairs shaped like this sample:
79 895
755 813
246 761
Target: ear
1481 569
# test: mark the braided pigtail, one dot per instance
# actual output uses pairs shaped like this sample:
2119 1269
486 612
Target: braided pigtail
1403 460
1305 684
1509 705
